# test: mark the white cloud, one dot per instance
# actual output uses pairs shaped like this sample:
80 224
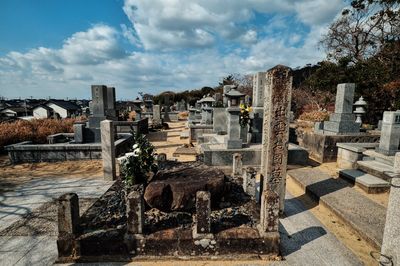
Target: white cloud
175 24
162 28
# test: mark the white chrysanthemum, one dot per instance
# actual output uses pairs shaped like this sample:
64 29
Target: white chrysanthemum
136 152
129 154
135 146
122 159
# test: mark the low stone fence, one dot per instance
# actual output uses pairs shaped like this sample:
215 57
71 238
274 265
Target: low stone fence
26 152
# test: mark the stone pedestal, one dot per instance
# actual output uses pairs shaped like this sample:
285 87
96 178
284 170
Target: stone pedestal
390 133
192 114
233 141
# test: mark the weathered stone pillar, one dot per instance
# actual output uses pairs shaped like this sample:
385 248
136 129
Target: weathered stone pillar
237 165
203 211
108 149
135 213
275 146
391 236
249 181
68 224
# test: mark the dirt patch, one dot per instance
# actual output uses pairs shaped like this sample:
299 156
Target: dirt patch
172 141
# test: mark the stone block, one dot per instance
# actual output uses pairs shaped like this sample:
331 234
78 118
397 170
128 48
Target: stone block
135 212
367 182
343 127
99 100
344 98
79 131
234 144
219 120
249 181
68 214
237 166
203 213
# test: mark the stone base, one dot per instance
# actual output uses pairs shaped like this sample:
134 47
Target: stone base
234 144
386 152
322 147
341 128
114 245
218 155
349 153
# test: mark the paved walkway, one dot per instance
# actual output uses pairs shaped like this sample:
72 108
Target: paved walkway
16 202
361 213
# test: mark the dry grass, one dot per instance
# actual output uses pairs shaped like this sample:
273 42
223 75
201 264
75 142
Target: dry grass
315 116
35 130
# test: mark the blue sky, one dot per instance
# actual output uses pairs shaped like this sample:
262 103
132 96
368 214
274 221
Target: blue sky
59 48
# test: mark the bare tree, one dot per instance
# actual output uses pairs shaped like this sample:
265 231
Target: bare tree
363 29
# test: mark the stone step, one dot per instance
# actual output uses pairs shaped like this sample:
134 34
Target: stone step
378 169
368 183
364 215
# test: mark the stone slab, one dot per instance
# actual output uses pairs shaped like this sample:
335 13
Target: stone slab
369 183
364 215
357 147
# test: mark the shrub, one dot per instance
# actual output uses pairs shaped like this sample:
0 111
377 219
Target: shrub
315 116
137 164
35 130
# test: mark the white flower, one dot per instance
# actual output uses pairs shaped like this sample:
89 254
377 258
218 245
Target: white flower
136 152
122 159
129 154
135 146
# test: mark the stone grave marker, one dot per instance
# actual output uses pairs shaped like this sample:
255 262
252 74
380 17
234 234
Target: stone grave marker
275 146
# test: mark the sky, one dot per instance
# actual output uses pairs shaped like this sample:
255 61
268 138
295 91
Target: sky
59 48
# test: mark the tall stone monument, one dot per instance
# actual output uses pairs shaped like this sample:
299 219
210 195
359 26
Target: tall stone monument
342 121
390 133
275 143
103 108
259 87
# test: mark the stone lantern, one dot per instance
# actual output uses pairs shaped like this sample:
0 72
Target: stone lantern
360 109
233 99
148 104
137 107
206 109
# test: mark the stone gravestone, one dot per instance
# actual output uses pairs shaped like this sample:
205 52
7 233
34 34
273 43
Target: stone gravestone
342 121
157 115
259 86
102 98
166 108
390 133
275 146
391 237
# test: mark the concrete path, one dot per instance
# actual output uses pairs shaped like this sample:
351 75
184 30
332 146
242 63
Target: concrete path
361 213
23 199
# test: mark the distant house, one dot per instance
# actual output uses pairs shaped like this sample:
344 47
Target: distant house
15 112
63 109
42 111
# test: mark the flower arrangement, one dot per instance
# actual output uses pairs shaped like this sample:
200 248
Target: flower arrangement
245 111
137 164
